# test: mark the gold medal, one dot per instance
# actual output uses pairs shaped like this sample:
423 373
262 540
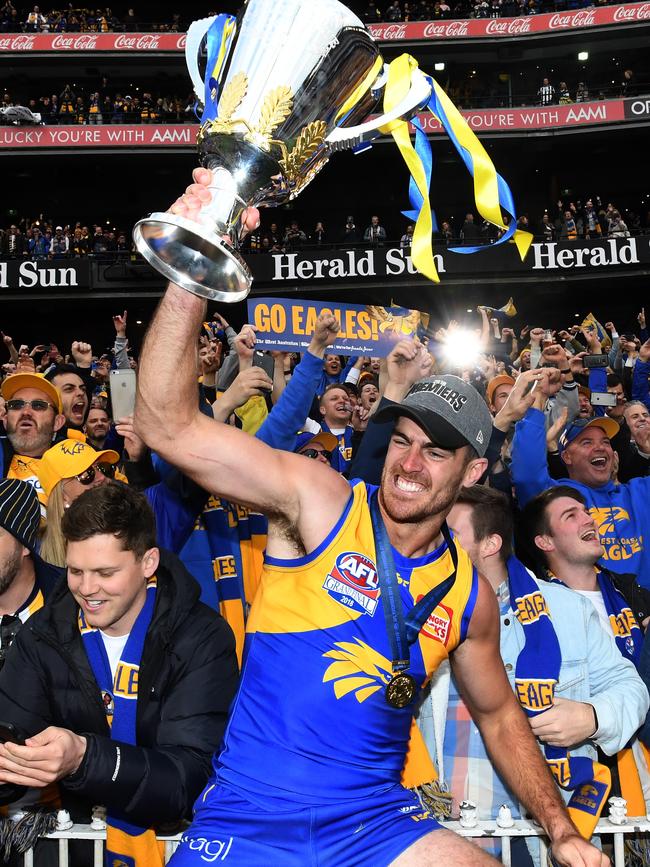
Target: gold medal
401 689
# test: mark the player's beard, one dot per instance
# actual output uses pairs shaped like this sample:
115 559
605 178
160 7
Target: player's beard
431 503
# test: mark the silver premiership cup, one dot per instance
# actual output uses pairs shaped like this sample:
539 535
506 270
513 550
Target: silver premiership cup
297 80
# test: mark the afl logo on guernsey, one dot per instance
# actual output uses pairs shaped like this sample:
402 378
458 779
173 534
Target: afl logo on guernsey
353 582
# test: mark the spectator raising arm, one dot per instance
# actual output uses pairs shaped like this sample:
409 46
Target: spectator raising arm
288 415
640 374
525 407
121 342
407 363
11 349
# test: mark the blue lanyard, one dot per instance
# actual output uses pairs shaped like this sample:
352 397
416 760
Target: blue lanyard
404 632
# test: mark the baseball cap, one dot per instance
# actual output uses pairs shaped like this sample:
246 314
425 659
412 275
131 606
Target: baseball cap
20 511
496 382
327 440
69 458
450 410
17 381
573 430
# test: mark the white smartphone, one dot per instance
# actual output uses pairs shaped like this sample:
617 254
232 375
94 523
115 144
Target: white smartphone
122 387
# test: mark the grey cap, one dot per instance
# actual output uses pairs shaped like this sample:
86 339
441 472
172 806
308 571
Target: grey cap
450 410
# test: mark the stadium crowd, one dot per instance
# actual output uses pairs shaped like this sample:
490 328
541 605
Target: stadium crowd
562 454
107 103
44 238
437 10
79 19
73 19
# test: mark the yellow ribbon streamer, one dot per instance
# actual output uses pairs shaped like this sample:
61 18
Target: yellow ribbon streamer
397 87
486 191
228 28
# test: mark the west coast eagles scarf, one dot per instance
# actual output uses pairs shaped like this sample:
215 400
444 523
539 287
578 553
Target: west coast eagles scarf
536 677
629 640
126 843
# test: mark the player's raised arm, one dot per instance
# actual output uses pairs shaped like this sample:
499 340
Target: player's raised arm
221 458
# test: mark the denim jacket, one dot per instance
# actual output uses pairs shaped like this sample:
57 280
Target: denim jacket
592 671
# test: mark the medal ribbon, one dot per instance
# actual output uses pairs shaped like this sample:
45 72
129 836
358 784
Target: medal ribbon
402 632
536 677
126 843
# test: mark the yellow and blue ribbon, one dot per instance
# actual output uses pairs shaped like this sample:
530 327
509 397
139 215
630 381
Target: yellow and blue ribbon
397 87
492 194
219 37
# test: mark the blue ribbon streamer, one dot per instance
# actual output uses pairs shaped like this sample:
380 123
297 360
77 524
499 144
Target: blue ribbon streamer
424 151
506 200
214 40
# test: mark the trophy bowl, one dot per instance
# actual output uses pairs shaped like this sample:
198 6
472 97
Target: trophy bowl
286 83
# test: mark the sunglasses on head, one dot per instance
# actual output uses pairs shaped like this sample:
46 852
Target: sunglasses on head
314 453
37 405
88 476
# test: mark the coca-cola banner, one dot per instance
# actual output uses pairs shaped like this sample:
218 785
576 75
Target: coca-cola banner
412 31
482 28
487 120
13 43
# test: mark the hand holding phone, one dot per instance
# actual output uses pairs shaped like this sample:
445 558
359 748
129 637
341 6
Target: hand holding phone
9 734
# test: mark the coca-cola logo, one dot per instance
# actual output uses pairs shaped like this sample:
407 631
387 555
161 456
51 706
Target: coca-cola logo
390 31
582 18
17 43
452 29
180 42
500 27
632 13
85 42
456 28
142 42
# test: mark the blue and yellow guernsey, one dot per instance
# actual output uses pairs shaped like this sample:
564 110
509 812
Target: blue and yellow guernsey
311 723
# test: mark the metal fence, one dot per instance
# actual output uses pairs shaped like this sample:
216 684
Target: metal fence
606 829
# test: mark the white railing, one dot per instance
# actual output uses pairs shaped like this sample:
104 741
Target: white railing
488 830
85 832
523 828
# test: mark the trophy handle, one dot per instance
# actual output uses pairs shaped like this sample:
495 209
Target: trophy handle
419 93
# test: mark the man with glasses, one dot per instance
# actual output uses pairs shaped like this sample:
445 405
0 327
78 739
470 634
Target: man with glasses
319 447
34 415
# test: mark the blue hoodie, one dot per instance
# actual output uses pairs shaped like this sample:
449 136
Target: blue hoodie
620 511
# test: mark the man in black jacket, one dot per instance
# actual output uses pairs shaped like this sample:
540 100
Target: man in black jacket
183 687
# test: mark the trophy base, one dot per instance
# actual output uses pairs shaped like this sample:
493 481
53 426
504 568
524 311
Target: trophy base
193 257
